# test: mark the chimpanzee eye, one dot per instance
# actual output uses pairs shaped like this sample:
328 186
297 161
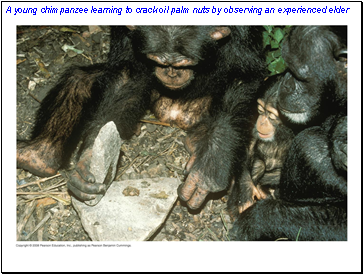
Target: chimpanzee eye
272 116
260 109
161 66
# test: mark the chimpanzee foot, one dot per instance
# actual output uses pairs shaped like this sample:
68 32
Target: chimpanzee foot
38 159
244 206
257 194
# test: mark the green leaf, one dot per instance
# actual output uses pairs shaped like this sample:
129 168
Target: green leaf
268 28
278 35
280 66
272 41
65 29
269 57
274 44
271 66
277 66
266 39
276 53
298 234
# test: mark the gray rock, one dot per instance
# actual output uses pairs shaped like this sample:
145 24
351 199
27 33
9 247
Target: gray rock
105 154
129 218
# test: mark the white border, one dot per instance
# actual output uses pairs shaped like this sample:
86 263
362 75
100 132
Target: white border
211 256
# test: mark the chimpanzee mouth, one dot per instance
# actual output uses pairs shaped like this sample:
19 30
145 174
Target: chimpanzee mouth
176 86
296 117
266 137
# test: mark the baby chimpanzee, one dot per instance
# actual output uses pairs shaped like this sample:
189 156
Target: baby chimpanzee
267 152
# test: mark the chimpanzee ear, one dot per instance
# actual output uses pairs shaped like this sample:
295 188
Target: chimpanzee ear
220 32
131 27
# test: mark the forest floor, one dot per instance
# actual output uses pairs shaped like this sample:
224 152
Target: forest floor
44 209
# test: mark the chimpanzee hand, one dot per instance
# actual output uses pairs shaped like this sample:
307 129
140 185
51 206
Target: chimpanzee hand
193 191
339 144
202 176
81 181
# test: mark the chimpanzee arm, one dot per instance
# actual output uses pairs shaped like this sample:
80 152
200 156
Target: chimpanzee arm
276 219
128 102
308 173
125 103
338 141
220 143
271 178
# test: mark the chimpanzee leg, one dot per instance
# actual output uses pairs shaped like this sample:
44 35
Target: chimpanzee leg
219 146
244 194
124 104
59 122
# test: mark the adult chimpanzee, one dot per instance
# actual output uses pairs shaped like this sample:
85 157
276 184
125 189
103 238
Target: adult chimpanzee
314 89
312 200
199 78
267 152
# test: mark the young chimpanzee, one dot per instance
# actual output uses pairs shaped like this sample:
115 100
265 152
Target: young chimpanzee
267 152
312 199
199 78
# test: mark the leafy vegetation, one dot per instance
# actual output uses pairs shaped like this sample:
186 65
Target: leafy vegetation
273 37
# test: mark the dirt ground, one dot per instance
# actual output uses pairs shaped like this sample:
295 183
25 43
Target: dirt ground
44 210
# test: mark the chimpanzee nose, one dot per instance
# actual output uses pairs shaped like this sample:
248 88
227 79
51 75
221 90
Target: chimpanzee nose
288 83
172 72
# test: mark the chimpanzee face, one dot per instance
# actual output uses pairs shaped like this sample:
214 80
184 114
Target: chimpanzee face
299 99
267 122
176 50
312 55
173 70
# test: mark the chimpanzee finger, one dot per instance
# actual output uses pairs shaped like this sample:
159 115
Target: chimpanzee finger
83 166
197 198
80 195
78 182
186 190
188 145
189 165
85 174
